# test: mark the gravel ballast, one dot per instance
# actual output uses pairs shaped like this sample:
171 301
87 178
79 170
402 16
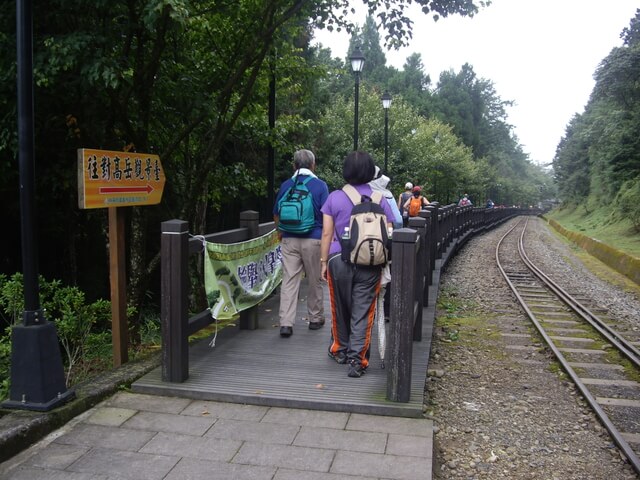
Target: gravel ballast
502 407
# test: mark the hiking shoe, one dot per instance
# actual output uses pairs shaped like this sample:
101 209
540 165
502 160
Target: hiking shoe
286 331
355 369
316 325
339 357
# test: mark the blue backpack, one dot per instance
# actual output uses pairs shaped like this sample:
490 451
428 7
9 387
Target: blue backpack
295 208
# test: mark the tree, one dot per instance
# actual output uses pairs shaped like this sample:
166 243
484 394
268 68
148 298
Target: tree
425 152
599 157
182 79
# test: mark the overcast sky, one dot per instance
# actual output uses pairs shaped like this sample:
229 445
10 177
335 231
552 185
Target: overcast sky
539 53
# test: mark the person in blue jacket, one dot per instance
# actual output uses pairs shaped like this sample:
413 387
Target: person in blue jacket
301 251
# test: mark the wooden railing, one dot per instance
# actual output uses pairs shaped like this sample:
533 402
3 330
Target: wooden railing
176 247
418 251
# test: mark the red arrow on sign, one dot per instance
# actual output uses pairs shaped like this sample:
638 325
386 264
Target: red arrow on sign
147 189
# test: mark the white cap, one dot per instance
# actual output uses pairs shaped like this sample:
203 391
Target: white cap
408 186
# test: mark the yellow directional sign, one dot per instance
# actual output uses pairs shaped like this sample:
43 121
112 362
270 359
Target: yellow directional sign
118 179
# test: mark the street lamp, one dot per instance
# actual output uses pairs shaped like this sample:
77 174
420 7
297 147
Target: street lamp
386 103
357 63
37 374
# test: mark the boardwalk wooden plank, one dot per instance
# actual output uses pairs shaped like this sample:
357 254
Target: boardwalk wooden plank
259 367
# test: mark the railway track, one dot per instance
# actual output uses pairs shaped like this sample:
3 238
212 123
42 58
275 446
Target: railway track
603 364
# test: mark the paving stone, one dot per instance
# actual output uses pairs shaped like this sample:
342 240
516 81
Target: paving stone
57 456
310 418
164 422
30 473
148 403
194 447
285 474
105 437
402 426
193 469
254 432
302 458
133 465
410 446
382 466
341 440
225 410
110 416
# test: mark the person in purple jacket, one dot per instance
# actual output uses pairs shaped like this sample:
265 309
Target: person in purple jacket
353 289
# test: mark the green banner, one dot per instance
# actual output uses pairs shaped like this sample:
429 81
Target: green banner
238 276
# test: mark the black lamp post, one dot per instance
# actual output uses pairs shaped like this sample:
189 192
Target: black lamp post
37 374
357 63
386 103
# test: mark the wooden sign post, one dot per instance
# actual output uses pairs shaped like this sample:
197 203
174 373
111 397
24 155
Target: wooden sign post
108 179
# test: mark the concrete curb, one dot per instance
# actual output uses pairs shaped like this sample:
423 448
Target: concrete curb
621 262
19 429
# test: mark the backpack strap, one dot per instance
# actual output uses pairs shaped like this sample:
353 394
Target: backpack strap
356 197
352 193
296 182
376 197
292 187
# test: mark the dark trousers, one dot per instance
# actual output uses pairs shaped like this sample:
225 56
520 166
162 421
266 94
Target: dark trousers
354 292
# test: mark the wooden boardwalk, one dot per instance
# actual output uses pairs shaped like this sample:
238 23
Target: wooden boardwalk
259 367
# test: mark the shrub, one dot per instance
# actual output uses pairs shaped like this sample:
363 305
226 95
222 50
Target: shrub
67 308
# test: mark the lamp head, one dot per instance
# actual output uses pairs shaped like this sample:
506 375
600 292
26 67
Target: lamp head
357 60
386 100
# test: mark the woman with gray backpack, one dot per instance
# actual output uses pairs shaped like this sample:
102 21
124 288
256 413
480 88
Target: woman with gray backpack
353 250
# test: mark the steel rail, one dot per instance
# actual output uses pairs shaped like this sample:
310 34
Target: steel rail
629 351
604 418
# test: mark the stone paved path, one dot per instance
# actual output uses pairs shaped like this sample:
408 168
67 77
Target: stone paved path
145 437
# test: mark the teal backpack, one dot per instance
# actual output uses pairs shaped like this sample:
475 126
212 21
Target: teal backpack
296 208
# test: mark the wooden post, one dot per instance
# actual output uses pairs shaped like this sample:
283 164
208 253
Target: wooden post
118 280
173 310
400 348
419 224
434 208
251 220
428 265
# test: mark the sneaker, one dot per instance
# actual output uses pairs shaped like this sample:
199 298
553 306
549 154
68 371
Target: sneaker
356 370
339 357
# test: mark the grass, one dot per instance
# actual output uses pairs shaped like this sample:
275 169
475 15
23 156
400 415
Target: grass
601 225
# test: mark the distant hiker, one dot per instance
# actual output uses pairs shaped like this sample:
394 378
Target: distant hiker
402 199
415 202
464 201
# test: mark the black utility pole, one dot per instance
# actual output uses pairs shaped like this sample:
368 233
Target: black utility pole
272 123
37 374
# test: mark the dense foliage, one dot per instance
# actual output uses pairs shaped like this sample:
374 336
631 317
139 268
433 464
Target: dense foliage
190 82
597 163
